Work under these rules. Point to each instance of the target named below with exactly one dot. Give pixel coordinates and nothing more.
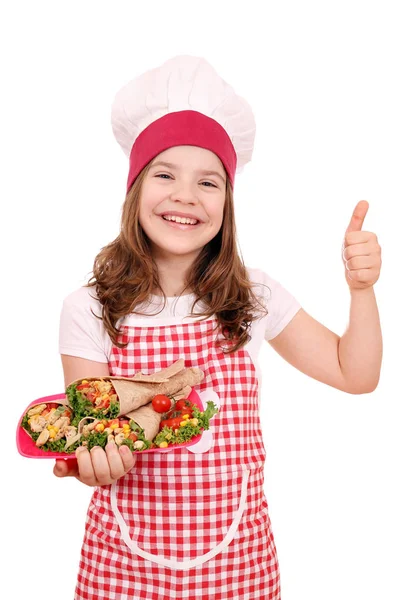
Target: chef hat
(182, 102)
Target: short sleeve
(282, 306)
(81, 334)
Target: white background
(322, 78)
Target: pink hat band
(183, 128)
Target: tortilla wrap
(38, 424)
(182, 394)
(134, 394)
(163, 375)
(148, 419)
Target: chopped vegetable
(96, 399)
(185, 429)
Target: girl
(194, 522)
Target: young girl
(194, 522)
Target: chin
(179, 250)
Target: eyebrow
(172, 166)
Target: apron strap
(187, 564)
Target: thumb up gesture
(361, 253)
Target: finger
(363, 249)
(360, 262)
(358, 216)
(128, 458)
(115, 461)
(101, 467)
(362, 276)
(356, 238)
(85, 466)
(66, 468)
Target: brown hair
(125, 275)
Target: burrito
(148, 419)
(49, 425)
(111, 396)
(54, 428)
(144, 428)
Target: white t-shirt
(83, 335)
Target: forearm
(360, 347)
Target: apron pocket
(180, 531)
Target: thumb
(66, 468)
(358, 216)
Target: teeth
(183, 220)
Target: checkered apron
(185, 524)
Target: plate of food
(159, 412)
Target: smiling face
(183, 182)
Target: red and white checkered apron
(183, 524)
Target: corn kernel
(194, 422)
(183, 423)
(185, 416)
(164, 445)
(114, 426)
(126, 426)
(53, 434)
(99, 427)
(126, 434)
(85, 381)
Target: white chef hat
(182, 102)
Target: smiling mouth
(183, 226)
(181, 220)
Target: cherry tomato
(132, 436)
(176, 421)
(179, 413)
(181, 404)
(186, 411)
(172, 423)
(161, 403)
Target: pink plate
(27, 447)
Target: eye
(210, 184)
(204, 183)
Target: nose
(185, 193)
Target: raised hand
(361, 253)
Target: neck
(173, 276)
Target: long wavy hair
(125, 275)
